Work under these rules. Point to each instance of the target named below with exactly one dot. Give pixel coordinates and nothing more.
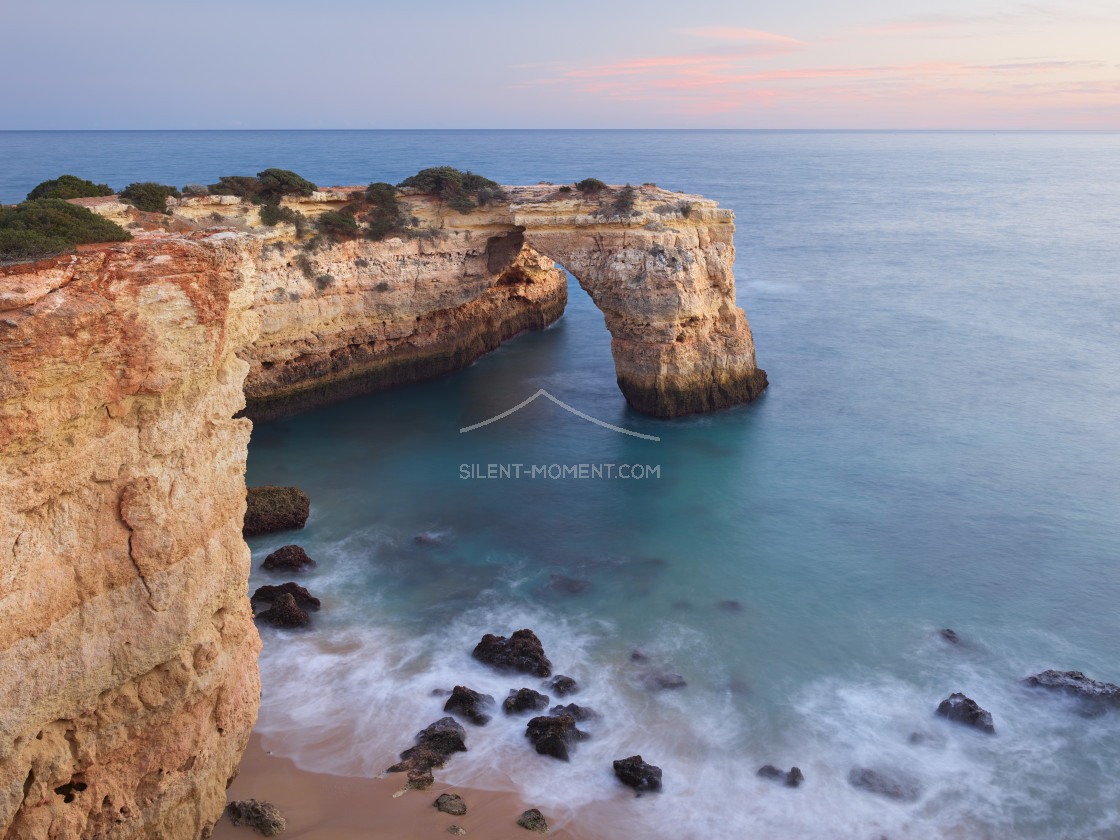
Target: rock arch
(662, 277)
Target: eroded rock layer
(127, 646)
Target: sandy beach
(327, 807)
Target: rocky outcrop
(522, 652)
(361, 315)
(636, 773)
(960, 709)
(126, 639)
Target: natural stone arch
(662, 277)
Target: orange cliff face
(127, 646)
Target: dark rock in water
(290, 558)
(469, 704)
(524, 700)
(269, 509)
(562, 686)
(268, 594)
(434, 745)
(284, 612)
(639, 655)
(950, 636)
(891, 785)
(263, 817)
(563, 585)
(580, 713)
(521, 652)
(533, 820)
(553, 735)
(791, 779)
(730, 606)
(1097, 697)
(662, 680)
(956, 707)
(451, 803)
(637, 774)
(441, 692)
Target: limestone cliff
(361, 315)
(127, 646)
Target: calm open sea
(939, 315)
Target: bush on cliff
(277, 183)
(243, 186)
(338, 225)
(623, 203)
(273, 214)
(383, 211)
(52, 226)
(591, 186)
(452, 186)
(69, 186)
(149, 196)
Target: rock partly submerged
(288, 558)
(960, 709)
(1094, 697)
(270, 509)
(893, 784)
(554, 735)
(472, 705)
(791, 779)
(434, 746)
(284, 613)
(522, 652)
(524, 700)
(636, 773)
(267, 594)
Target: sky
(815, 64)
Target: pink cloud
(732, 33)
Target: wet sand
(318, 806)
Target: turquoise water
(938, 314)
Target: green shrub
(324, 281)
(623, 203)
(242, 186)
(453, 186)
(196, 189)
(69, 186)
(383, 212)
(565, 189)
(382, 286)
(277, 183)
(591, 186)
(273, 214)
(149, 196)
(52, 226)
(338, 225)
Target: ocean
(939, 447)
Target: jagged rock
(634, 772)
(521, 652)
(469, 704)
(451, 803)
(552, 735)
(950, 636)
(285, 613)
(791, 779)
(271, 509)
(434, 745)
(956, 707)
(662, 680)
(263, 817)
(1097, 697)
(564, 585)
(267, 594)
(893, 785)
(562, 686)
(524, 700)
(533, 820)
(289, 558)
(580, 713)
